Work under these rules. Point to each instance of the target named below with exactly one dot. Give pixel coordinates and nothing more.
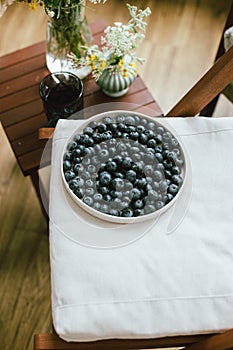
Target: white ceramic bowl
(120, 219)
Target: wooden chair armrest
(44, 135)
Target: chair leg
(222, 341)
(40, 194)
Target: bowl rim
(120, 219)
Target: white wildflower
(51, 13)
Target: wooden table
(21, 110)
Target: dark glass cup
(62, 96)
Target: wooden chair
(228, 90)
(209, 86)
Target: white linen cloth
(170, 277)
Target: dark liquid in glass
(61, 102)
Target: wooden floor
(182, 40)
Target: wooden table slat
(21, 113)
(22, 55)
(26, 127)
(25, 81)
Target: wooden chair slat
(53, 342)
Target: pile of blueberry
(125, 165)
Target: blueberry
(177, 180)
(102, 128)
(131, 128)
(138, 204)
(143, 139)
(114, 212)
(89, 191)
(89, 183)
(126, 163)
(136, 157)
(151, 143)
(168, 197)
(97, 138)
(91, 168)
(76, 168)
(112, 127)
(88, 200)
(73, 184)
(120, 118)
(104, 208)
(173, 189)
(105, 178)
(77, 160)
(163, 186)
(148, 170)
(160, 130)
(149, 157)
(103, 190)
(69, 175)
(107, 197)
(167, 136)
(138, 212)
(111, 166)
(90, 142)
(117, 159)
(179, 162)
(125, 135)
(153, 195)
(93, 124)
(134, 135)
(66, 165)
(117, 183)
(167, 174)
(96, 206)
(107, 120)
(158, 138)
(103, 154)
(159, 204)
(168, 163)
(119, 175)
(175, 170)
(122, 127)
(128, 186)
(158, 149)
(84, 139)
(107, 135)
(127, 212)
(151, 126)
(130, 120)
(67, 156)
(159, 157)
(158, 175)
(88, 130)
(160, 167)
(141, 128)
(149, 209)
(131, 175)
(141, 183)
(97, 197)
(79, 192)
(72, 145)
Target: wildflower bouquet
(119, 44)
(69, 28)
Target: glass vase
(66, 33)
